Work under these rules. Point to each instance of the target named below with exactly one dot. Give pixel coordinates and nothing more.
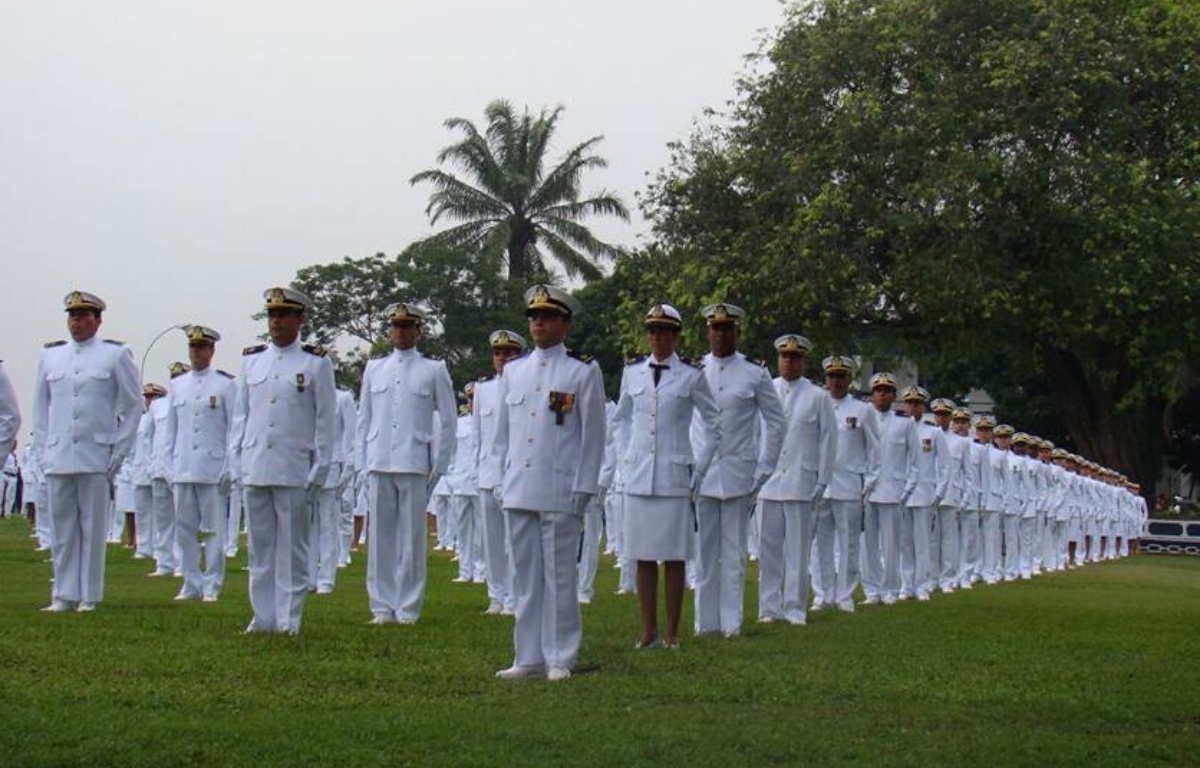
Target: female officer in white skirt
(659, 395)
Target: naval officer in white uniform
(551, 432)
(660, 466)
(281, 445)
(404, 460)
(85, 415)
(751, 436)
(199, 415)
(789, 499)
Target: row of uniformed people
(690, 447)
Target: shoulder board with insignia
(760, 363)
(635, 360)
(580, 356)
(58, 343)
(226, 374)
(255, 349)
(901, 414)
(314, 349)
(114, 341)
(697, 364)
(483, 379)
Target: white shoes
(187, 596)
(889, 600)
(59, 606)
(518, 672)
(382, 618)
(493, 609)
(846, 606)
(460, 580)
(85, 607)
(798, 620)
(324, 589)
(767, 619)
(872, 600)
(557, 674)
(209, 598)
(924, 598)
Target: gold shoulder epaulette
(255, 349)
(580, 356)
(58, 343)
(226, 374)
(314, 349)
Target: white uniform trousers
(786, 540)
(1049, 556)
(992, 529)
(78, 512)
(754, 530)
(613, 522)
(915, 523)
(143, 519)
(721, 563)
(43, 529)
(970, 548)
(1012, 545)
(345, 523)
(944, 568)
(201, 507)
(469, 534)
(589, 550)
(839, 525)
(495, 551)
(1064, 541)
(1028, 533)
(116, 520)
(324, 538)
(233, 521)
(627, 579)
(442, 510)
(396, 546)
(881, 550)
(278, 521)
(164, 527)
(548, 626)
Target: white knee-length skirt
(658, 527)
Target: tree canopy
(1000, 186)
(509, 204)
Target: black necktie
(658, 369)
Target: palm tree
(509, 203)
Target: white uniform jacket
(488, 459)
(655, 457)
(283, 423)
(933, 453)
(551, 429)
(810, 442)
(899, 452)
(857, 462)
(82, 391)
(746, 401)
(400, 393)
(955, 473)
(199, 413)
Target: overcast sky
(177, 158)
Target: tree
(508, 204)
(966, 182)
(465, 295)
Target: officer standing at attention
(281, 445)
(199, 414)
(917, 516)
(551, 432)
(899, 449)
(661, 467)
(404, 460)
(854, 471)
(742, 463)
(505, 346)
(85, 408)
(790, 498)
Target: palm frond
(578, 236)
(454, 196)
(603, 203)
(574, 263)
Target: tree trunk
(518, 244)
(1130, 442)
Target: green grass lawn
(1091, 668)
